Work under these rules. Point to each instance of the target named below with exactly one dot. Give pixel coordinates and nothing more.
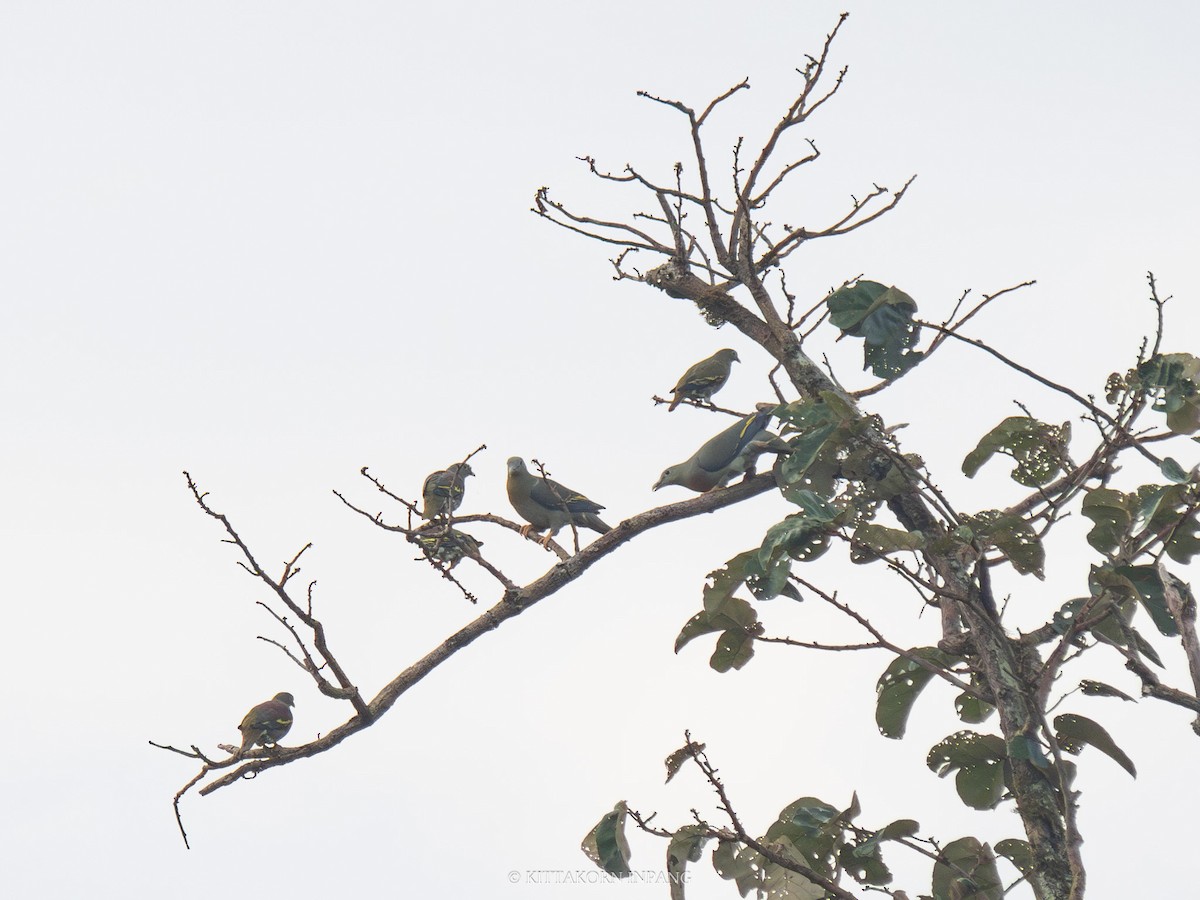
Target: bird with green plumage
(546, 504)
(267, 723)
(725, 456)
(704, 379)
(448, 545)
(443, 490)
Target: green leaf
(1038, 448)
(883, 318)
(1013, 536)
(768, 582)
(739, 867)
(1017, 852)
(1145, 648)
(734, 649)
(892, 359)
(839, 405)
(1184, 542)
(816, 508)
(978, 759)
(815, 829)
(864, 860)
(809, 814)
(981, 787)
(754, 874)
(805, 450)
(966, 870)
(605, 845)
(871, 542)
(733, 613)
(1100, 689)
(1113, 514)
(780, 883)
(899, 686)
(801, 536)
(675, 761)
(1167, 509)
(851, 307)
(687, 845)
(1171, 380)
(1114, 596)
(726, 580)
(1161, 505)
(1148, 588)
(971, 709)
(1076, 732)
(1173, 471)
(864, 863)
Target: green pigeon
(267, 722)
(544, 503)
(724, 457)
(448, 545)
(443, 490)
(704, 379)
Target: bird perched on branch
(267, 722)
(704, 379)
(544, 503)
(448, 545)
(443, 490)
(727, 455)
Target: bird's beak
(657, 484)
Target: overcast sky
(271, 243)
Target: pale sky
(271, 243)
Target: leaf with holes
(687, 845)
(864, 863)
(1173, 382)
(1013, 536)
(800, 536)
(1076, 732)
(733, 614)
(815, 828)
(768, 582)
(864, 860)
(883, 317)
(1184, 542)
(871, 542)
(978, 760)
(675, 761)
(1148, 588)
(1100, 689)
(1112, 512)
(726, 580)
(899, 686)
(966, 870)
(735, 648)
(1038, 448)
(605, 845)
(971, 709)
(1017, 852)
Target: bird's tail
(594, 522)
(769, 442)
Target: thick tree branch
(513, 603)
